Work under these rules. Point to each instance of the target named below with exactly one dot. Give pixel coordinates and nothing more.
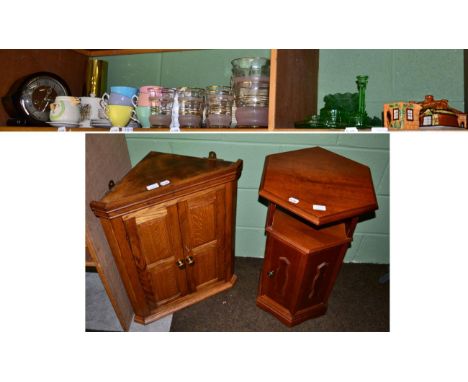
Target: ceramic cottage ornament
(429, 113)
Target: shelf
(304, 236)
(121, 52)
(159, 130)
(293, 78)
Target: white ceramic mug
(90, 109)
(65, 109)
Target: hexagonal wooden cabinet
(315, 198)
(170, 224)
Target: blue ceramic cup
(127, 91)
(143, 113)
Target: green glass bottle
(361, 116)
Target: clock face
(38, 93)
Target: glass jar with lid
(251, 81)
(161, 103)
(191, 105)
(219, 101)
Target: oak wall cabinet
(170, 223)
(315, 199)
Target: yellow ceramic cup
(119, 115)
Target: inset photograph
(237, 232)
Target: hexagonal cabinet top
(318, 185)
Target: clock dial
(38, 93)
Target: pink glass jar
(252, 104)
(161, 103)
(191, 105)
(251, 81)
(219, 101)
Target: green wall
(197, 68)
(371, 240)
(394, 75)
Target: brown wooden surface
(305, 248)
(106, 158)
(89, 259)
(184, 173)
(186, 300)
(300, 268)
(305, 237)
(318, 176)
(272, 89)
(156, 246)
(120, 52)
(18, 63)
(296, 85)
(175, 250)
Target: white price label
(127, 129)
(379, 130)
(293, 200)
(319, 207)
(164, 182)
(62, 129)
(351, 130)
(114, 129)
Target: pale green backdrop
(371, 240)
(394, 75)
(197, 68)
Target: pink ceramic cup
(144, 94)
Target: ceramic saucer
(63, 124)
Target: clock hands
(47, 99)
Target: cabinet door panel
(156, 246)
(154, 237)
(201, 214)
(166, 281)
(204, 270)
(202, 220)
(319, 273)
(280, 272)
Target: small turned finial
(212, 155)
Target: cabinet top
(318, 185)
(160, 175)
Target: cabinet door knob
(189, 260)
(180, 263)
(271, 274)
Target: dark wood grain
(305, 248)
(318, 176)
(184, 173)
(18, 63)
(296, 85)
